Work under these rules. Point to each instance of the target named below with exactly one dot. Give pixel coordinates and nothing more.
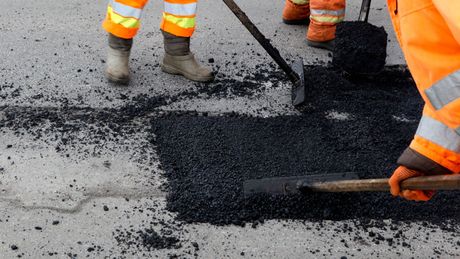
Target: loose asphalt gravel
(88, 169)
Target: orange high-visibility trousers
(123, 17)
(324, 16)
(429, 34)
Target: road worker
(178, 24)
(323, 16)
(429, 34)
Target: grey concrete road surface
(73, 203)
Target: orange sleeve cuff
(446, 158)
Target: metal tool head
(298, 90)
(290, 185)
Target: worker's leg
(122, 23)
(178, 25)
(296, 12)
(324, 16)
(123, 17)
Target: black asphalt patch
(351, 125)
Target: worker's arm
(413, 164)
(450, 11)
(443, 94)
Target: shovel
(344, 182)
(294, 73)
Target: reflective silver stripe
(180, 9)
(328, 12)
(126, 11)
(438, 133)
(444, 91)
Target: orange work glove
(402, 173)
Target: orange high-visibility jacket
(429, 34)
(123, 17)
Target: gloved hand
(413, 164)
(402, 173)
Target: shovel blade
(290, 185)
(298, 90)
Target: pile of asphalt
(359, 124)
(360, 48)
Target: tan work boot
(178, 60)
(118, 60)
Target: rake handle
(438, 182)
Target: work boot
(178, 59)
(328, 45)
(321, 35)
(118, 59)
(296, 12)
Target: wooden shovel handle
(438, 182)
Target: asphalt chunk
(206, 159)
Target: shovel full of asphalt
(360, 48)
